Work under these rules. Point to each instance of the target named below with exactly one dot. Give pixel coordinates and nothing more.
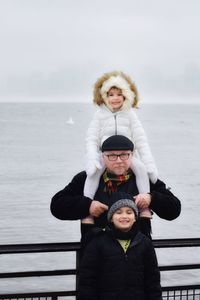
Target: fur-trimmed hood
(115, 79)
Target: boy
(120, 262)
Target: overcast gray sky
(58, 48)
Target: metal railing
(184, 292)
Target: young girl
(117, 96)
(120, 262)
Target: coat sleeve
(93, 141)
(141, 143)
(152, 287)
(163, 202)
(88, 275)
(69, 203)
(93, 136)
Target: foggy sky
(57, 49)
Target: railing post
(77, 269)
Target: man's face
(116, 164)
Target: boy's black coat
(108, 273)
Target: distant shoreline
(88, 103)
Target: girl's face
(124, 218)
(115, 98)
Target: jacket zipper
(115, 119)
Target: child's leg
(92, 183)
(142, 178)
(142, 181)
(90, 188)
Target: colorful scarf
(112, 181)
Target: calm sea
(40, 152)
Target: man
(117, 151)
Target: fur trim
(120, 80)
(122, 84)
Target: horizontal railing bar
(38, 273)
(32, 248)
(180, 287)
(75, 246)
(179, 267)
(73, 293)
(74, 271)
(171, 243)
(38, 294)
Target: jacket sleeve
(69, 203)
(93, 157)
(141, 143)
(163, 202)
(152, 287)
(88, 276)
(93, 136)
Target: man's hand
(97, 208)
(142, 200)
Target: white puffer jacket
(124, 122)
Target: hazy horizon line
(87, 99)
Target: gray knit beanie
(118, 200)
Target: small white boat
(70, 121)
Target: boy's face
(115, 98)
(124, 218)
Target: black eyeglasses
(114, 157)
